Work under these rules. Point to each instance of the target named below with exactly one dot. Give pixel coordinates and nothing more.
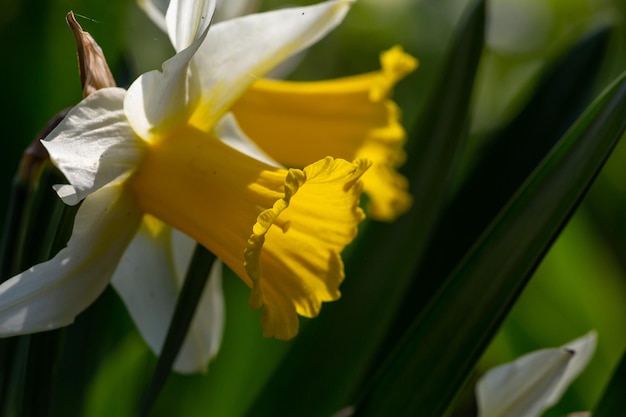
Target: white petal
(53, 293)
(182, 249)
(187, 19)
(229, 9)
(155, 9)
(584, 348)
(157, 101)
(148, 283)
(208, 323)
(94, 145)
(237, 52)
(228, 131)
(524, 387)
(519, 389)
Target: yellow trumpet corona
(282, 231)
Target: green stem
(13, 226)
(22, 247)
(188, 300)
(9, 252)
(46, 347)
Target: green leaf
(336, 348)
(513, 153)
(42, 226)
(116, 388)
(612, 402)
(44, 350)
(442, 345)
(91, 361)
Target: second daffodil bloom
(297, 123)
(164, 152)
(351, 117)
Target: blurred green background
(581, 284)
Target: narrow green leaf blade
(442, 346)
(45, 348)
(336, 348)
(513, 153)
(612, 402)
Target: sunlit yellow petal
(280, 230)
(297, 123)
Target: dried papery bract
(94, 75)
(94, 70)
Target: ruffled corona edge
(387, 188)
(293, 255)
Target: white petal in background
(148, 282)
(237, 52)
(229, 9)
(534, 382)
(93, 145)
(155, 9)
(51, 294)
(187, 19)
(224, 10)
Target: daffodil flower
(350, 117)
(534, 382)
(164, 152)
(297, 123)
(381, 121)
(158, 246)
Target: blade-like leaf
(510, 156)
(334, 351)
(443, 344)
(31, 237)
(612, 402)
(45, 348)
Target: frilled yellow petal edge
(298, 123)
(282, 231)
(293, 255)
